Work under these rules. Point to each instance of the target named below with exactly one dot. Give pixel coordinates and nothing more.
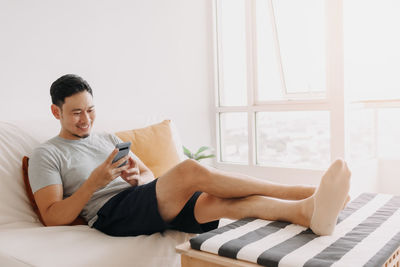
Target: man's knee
(193, 170)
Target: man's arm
(58, 211)
(55, 210)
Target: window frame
(332, 102)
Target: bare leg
(189, 176)
(239, 185)
(209, 208)
(237, 197)
(319, 211)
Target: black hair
(67, 85)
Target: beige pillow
(154, 145)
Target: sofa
(25, 241)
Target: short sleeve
(43, 169)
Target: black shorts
(134, 212)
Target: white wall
(140, 57)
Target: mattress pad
(367, 234)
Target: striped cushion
(366, 234)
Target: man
(72, 174)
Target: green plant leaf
(201, 149)
(187, 152)
(204, 157)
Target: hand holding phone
(123, 150)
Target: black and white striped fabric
(366, 234)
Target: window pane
(297, 139)
(269, 80)
(371, 49)
(234, 137)
(361, 129)
(301, 34)
(389, 133)
(232, 42)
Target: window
(302, 82)
(372, 84)
(292, 138)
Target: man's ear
(56, 111)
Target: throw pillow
(154, 145)
(25, 163)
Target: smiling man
(73, 174)
(76, 115)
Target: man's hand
(131, 175)
(108, 171)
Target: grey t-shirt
(70, 163)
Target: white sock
(330, 197)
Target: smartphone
(123, 150)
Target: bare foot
(330, 198)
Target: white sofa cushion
(14, 203)
(83, 246)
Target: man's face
(76, 116)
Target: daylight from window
(273, 98)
